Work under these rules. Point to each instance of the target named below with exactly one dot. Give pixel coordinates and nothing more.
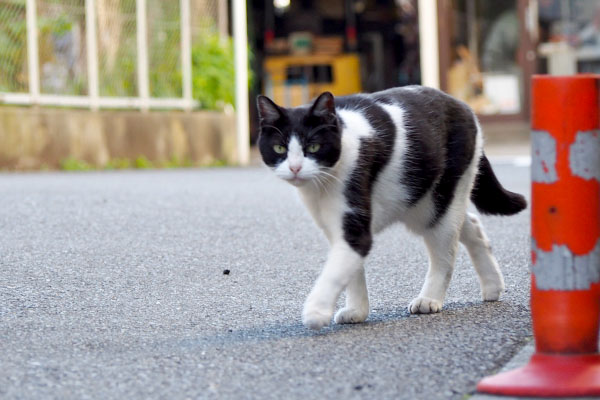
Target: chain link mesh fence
(62, 50)
(205, 18)
(117, 48)
(164, 48)
(13, 46)
(61, 47)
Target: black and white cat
(362, 162)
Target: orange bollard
(565, 229)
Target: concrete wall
(33, 137)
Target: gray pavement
(112, 287)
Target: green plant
(216, 164)
(118, 163)
(213, 72)
(175, 162)
(142, 163)
(73, 164)
(58, 25)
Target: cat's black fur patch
(423, 159)
(441, 137)
(374, 154)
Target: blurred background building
(173, 60)
(489, 50)
(485, 51)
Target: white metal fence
(103, 53)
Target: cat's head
(299, 144)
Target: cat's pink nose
(295, 169)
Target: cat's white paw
(350, 316)
(424, 305)
(315, 319)
(492, 292)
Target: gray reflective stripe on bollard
(584, 155)
(543, 160)
(560, 269)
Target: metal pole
(428, 33)
(92, 53)
(240, 38)
(186, 52)
(32, 52)
(142, 54)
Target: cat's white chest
(326, 209)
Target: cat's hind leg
(480, 251)
(442, 244)
(357, 301)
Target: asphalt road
(112, 286)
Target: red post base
(548, 375)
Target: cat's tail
(490, 197)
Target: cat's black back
(440, 137)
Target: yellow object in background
(294, 80)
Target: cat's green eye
(313, 148)
(279, 149)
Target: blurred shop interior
(304, 47)
(488, 50)
(491, 49)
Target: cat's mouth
(297, 180)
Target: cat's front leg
(357, 301)
(342, 266)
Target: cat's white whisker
(323, 184)
(328, 175)
(317, 182)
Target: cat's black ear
(267, 110)
(324, 106)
